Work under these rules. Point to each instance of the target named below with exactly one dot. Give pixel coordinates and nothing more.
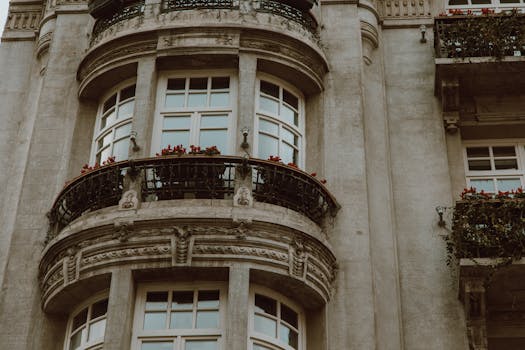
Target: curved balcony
(200, 177)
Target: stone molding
(23, 21)
(206, 41)
(173, 243)
(370, 40)
(404, 9)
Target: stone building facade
(236, 251)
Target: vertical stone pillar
(475, 313)
(145, 97)
(120, 311)
(246, 101)
(238, 305)
(350, 316)
(383, 241)
(455, 162)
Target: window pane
(104, 155)
(157, 300)
(477, 152)
(289, 98)
(289, 316)
(288, 154)
(265, 304)
(110, 102)
(201, 345)
(182, 300)
(100, 308)
(506, 151)
(220, 99)
(270, 89)
(164, 345)
(107, 119)
(269, 105)
(80, 319)
(214, 121)
(268, 127)
(217, 138)
(288, 336)
(265, 325)
(208, 299)
(220, 83)
(483, 164)
(486, 185)
(207, 319)
(260, 347)
(104, 141)
(174, 101)
(501, 164)
(76, 339)
(481, 2)
(268, 146)
(176, 122)
(127, 93)
(125, 110)
(198, 83)
(123, 130)
(155, 320)
(508, 184)
(458, 2)
(290, 137)
(197, 100)
(96, 330)
(120, 150)
(510, 1)
(175, 138)
(289, 116)
(181, 320)
(177, 84)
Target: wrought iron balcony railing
(495, 35)
(488, 228)
(286, 11)
(119, 14)
(178, 5)
(188, 177)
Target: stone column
(246, 100)
(350, 317)
(383, 241)
(120, 311)
(143, 116)
(238, 305)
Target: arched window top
(87, 325)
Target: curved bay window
(195, 110)
(179, 318)
(113, 125)
(279, 122)
(276, 322)
(86, 328)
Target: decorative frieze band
(23, 20)
(283, 251)
(404, 8)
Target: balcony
(193, 177)
(478, 55)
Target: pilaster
(246, 100)
(238, 306)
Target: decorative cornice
(147, 243)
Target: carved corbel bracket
(181, 246)
(370, 40)
(475, 312)
(123, 230)
(450, 104)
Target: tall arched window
(279, 121)
(113, 124)
(87, 325)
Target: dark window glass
(266, 305)
(110, 102)
(270, 89)
(288, 315)
(156, 300)
(458, 2)
(182, 300)
(198, 83)
(220, 83)
(481, 2)
(477, 152)
(100, 308)
(501, 164)
(505, 151)
(80, 319)
(290, 99)
(177, 84)
(208, 298)
(127, 93)
(479, 164)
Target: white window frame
(196, 113)
(95, 344)
(111, 128)
(178, 336)
(495, 5)
(299, 130)
(494, 175)
(265, 340)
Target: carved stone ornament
(182, 245)
(298, 258)
(123, 230)
(243, 197)
(129, 201)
